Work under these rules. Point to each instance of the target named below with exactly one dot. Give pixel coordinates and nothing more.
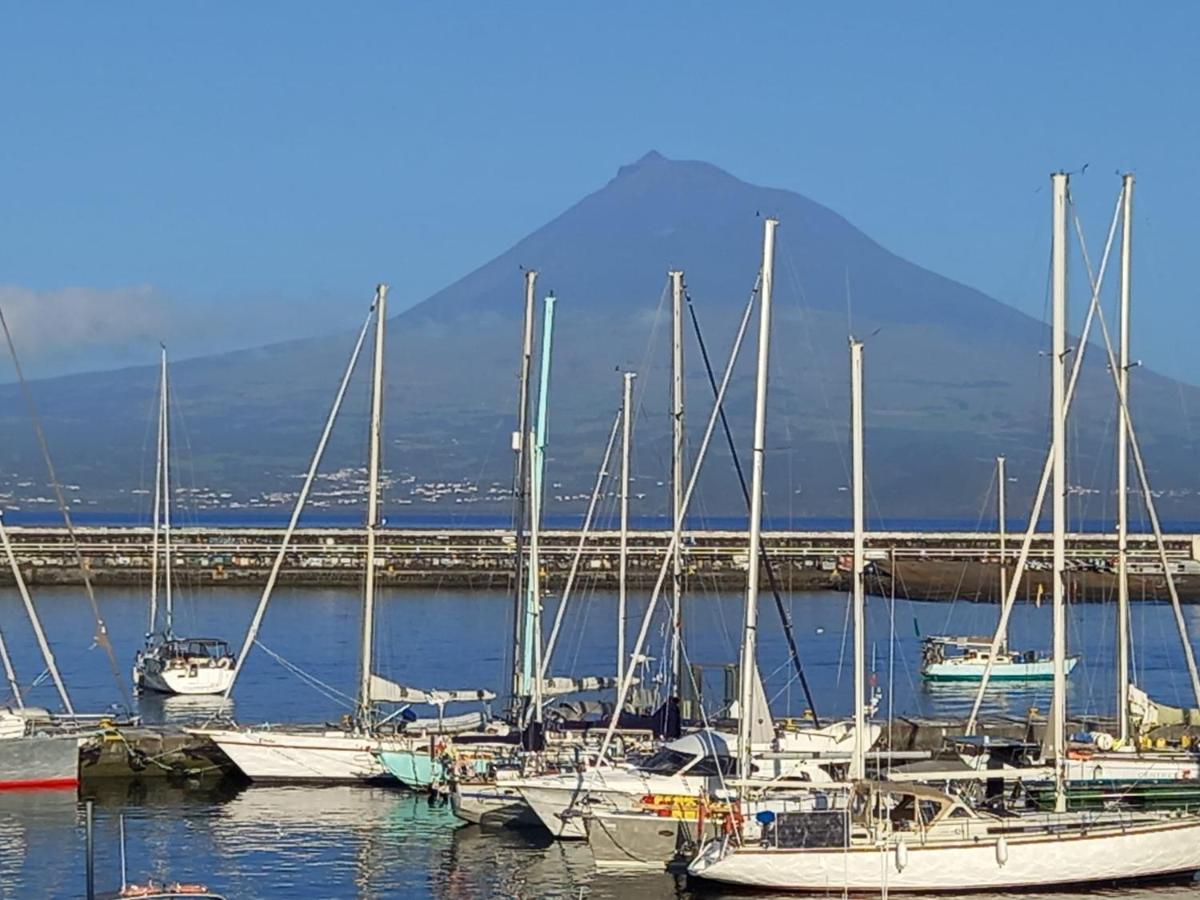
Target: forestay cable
(261, 610)
(101, 635)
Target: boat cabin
(195, 649)
(871, 807)
(702, 754)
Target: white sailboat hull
(191, 680)
(33, 762)
(492, 806)
(1103, 855)
(280, 755)
(1135, 767)
(560, 801)
(642, 841)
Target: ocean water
(369, 842)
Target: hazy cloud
(79, 329)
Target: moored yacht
(915, 838)
(696, 764)
(348, 751)
(946, 658)
(912, 837)
(170, 664)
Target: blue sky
(221, 174)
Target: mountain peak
(652, 158)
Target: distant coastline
(278, 519)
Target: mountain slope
(954, 377)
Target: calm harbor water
(357, 842)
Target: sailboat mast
(10, 674)
(34, 621)
(165, 413)
(154, 540)
(858, 760)
(520, 445)
(677, 291)
(532, 640)
(623, 561)
(1002, 537)
(749, 674)
(1058, 354)
(1123, 464)
(376, 441)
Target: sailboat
(37, 748)
(168, 663)
(910, 837)
(1123, 768)
(965, 658)
(324, 753)
(702, 762)
(349, 751)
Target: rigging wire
(327, 690)
(101, 633)
(772, 581)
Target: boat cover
(385, 691)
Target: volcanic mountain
(954, 378)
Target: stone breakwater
(916, 565)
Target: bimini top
(977, 641)
(213, 647)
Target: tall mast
(532, 646)
(749, 673)
(9, 674)
(623, 561)
(34, 621)
(376, 441)
(260, 611)
(1002, 536)
(1123, 463)
(520, 443)
(858, 760)
(165, 413)
(677, 476)
(1058, 354)
(154, 542)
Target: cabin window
(666, 762)
(709, 766)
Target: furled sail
(559, 685)
(762, 726)
(385, 691)
(475, 721)
(1150, 714)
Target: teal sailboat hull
(415, 770)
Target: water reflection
(291, 842)
(368, 842)
(182, 709)
(953, 699)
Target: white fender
(1002, 850)
(901, 855)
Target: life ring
(224, 662)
